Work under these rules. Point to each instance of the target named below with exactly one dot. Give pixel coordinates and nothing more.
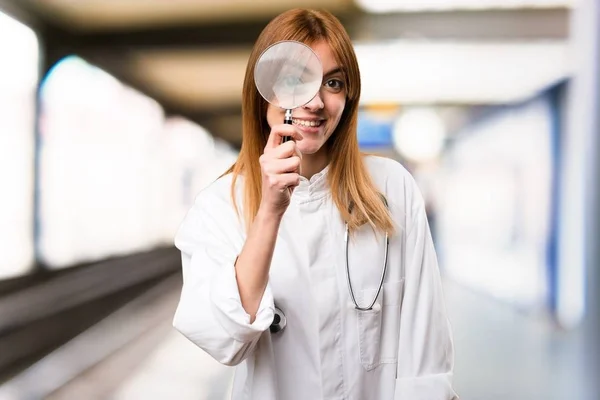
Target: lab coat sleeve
(426, 354)
(210, 312)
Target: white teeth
(306, 123)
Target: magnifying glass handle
(288, 121)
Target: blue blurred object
(374, 131)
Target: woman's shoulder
(218, 192)
(387, 170)
(211, 212)
(375, 161)
(394, 180)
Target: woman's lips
(308, 125)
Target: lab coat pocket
(369, 328)
(390, 321)
(379, 328)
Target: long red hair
(348, 177)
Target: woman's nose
(315, 104)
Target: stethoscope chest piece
(279, 321)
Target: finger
(281, 166)
(298, 152)
(291, 164)
(285, 150)
(282, 182)
(290, 180)
(278, 132)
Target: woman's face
(317, 119)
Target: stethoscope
(279, 321)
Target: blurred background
(114, 114)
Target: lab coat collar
(312, 189)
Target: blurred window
(101, 167)
(19, 53)
(494, 204)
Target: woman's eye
(335, 84)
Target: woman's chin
(308, 148)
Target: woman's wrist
(265, 215)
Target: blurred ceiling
(107, 15)
(190, 55)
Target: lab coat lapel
(290, 267)
(293, 236)
(292, 292)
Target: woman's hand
(280, 168)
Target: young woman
(299, 228)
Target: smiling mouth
(312, 124)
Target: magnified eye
(290, 81)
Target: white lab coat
(402, 349)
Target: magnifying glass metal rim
(266, 50)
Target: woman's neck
(314, 163)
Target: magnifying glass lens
(288, 75)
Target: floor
(501, 354)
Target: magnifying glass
(288, 75)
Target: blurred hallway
(114, 115)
